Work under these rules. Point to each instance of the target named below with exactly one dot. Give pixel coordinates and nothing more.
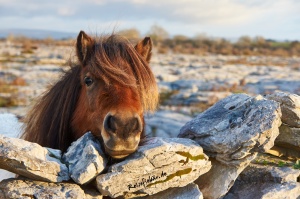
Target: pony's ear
(144, 47)
(84, 46)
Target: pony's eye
(88, 81)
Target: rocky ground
(188, 85)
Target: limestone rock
(32, 160)
(262, 173)
(267, 182)
(235, 127)
(85, 159)
(159, 164)
(288, 190)
(220, 178)
(290, 107)
(288, 137)
(190, 191)
(21, 188)
(232, 131)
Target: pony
(107, 91)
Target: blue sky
(274, 19)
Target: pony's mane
(114, 58)
(47, 123)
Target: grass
(7, 99)
(278, 163)
(9, 92)
(297, 165)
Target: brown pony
(106, 93)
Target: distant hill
(37, 34)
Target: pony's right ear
(83, 47)
(144, 47)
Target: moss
(189, 157)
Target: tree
(158, 33)
(260, 41)
(244, 41)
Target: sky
(271, 19)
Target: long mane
(49, 121)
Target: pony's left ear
(84, 47)
(144, 48)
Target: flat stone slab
(85, 159)
(159, 164)
(32, 160)
(27, 189)
(235, 128)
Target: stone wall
(213, 157)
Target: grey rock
(288, 137)
(232, 131)
(159, 164)
(220, 178)
(287, 143)
(262, 173)
(27, 189)
(85, 159)
(235, 127)
(190, 191)
(288, 190)
(32, 160)
(290, 107)
(259, 181)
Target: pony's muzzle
(124, 127)
(121, 134)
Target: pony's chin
(118, 154)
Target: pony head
(117, 87)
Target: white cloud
(268, 17)
(66, 11)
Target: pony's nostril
(137, 124)
(134, 124)
(110, 124)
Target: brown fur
(123, 82)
